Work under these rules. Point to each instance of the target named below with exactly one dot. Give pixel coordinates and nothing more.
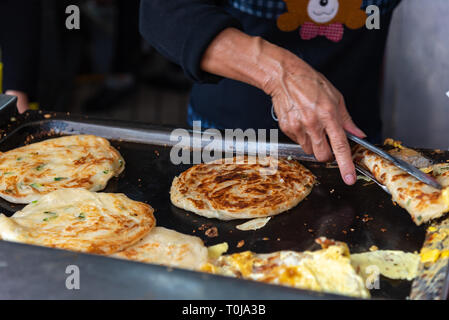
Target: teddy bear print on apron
(325, 18)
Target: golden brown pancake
(422, 201)
(80, 220)
(167, 247)
(82, 161)
(243, 189)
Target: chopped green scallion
(50, 218)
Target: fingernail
(361, 133)
(350, 179)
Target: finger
(342, 152)
(295, 131)
(320, 145)
(347, 122)
(307, 145)
(285, 126)
(304, 140)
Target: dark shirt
(183, 29)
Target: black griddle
(362, 215)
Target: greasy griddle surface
(361, 216)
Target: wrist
(238, 56)
(278, 64)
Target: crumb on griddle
(47, 116)
(156, 153)
(373, 248)
(367, 218)
(383, 230)
(241, 243)
(204, 226)
(265, 238)
(212, 232)
(332, 191)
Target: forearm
(238, 56)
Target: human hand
(312, 112)
(22, 100)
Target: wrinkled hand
(22, 100)
(312, 112)
(309, 108)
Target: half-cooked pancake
(246, 188)
(168, 247)
(327, 270)
(80, 220)
(80, 161)
(422, 201)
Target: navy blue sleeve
(182, 30)
(19, 43)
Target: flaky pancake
(80, 220)
(327, 270)
(80, 161)
(422, 201)
(168, 247)
(243, 189)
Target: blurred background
(416, 82)
(106, 70)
